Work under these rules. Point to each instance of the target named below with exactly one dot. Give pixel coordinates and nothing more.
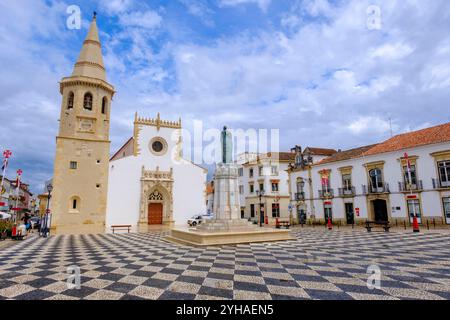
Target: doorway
(349, 213)
(328, 214)
(155, 213)
(380, 210)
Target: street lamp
(44, 227)
(260, 194)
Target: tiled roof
(437, 134)
(321, 151)
(347, 154)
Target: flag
(5, 164)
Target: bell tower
(80, 179)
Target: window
(444, 173)
(275, 186)
(275, 210)
(347, 182)
(73, 165)
(414, 208)
(241, 172)
(300, 185)
(446, 202)
(104, 105)
(74, 204)
(274, 170)
(252, 210)
(376, 179)
(260, 171)
(70, 99)
(250, 172)
(87, 102)
(252, 188)
(241, 189)
(413, 175)
(261, 187)
(157, 146)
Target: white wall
(125, 186)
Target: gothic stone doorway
(156, 203)
(155, 213)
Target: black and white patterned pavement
(320, 264)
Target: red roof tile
(437, 134)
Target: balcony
(347, 192)
(326, 193)
(404, 187)
(300, 196)
(382, 188)
(438, 184)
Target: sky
(336, 74)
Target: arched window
(70, 99)
(74, 204)
(104, 104)
(376, 178)
(87, 103)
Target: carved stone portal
(156, 187)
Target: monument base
(226, 232)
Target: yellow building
(80, 177)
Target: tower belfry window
(70, 99)
(87, 104)
(104, 105)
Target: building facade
(80, 176)
(264, 186)
(394, 180)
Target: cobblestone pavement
(320, 264)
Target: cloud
(262, 4)
(148, 19)
(313, 70)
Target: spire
(90, 60)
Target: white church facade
(149, 181)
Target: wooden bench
(372, 224)
(121, 227)
(283, 223)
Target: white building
(372, 182)
(268, 173)
(149, 181)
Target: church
(146, 182)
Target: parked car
(4, 216)
(198, 219)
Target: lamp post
(260, 194)
(45, 230)
(302, 188)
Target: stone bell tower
(80, 180)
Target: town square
(182, 155)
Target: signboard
(413, 196)
(327, 202)
(357, 211)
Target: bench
(283, 223)
(121, 227)
(372, 224)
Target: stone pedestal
(226, 227)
